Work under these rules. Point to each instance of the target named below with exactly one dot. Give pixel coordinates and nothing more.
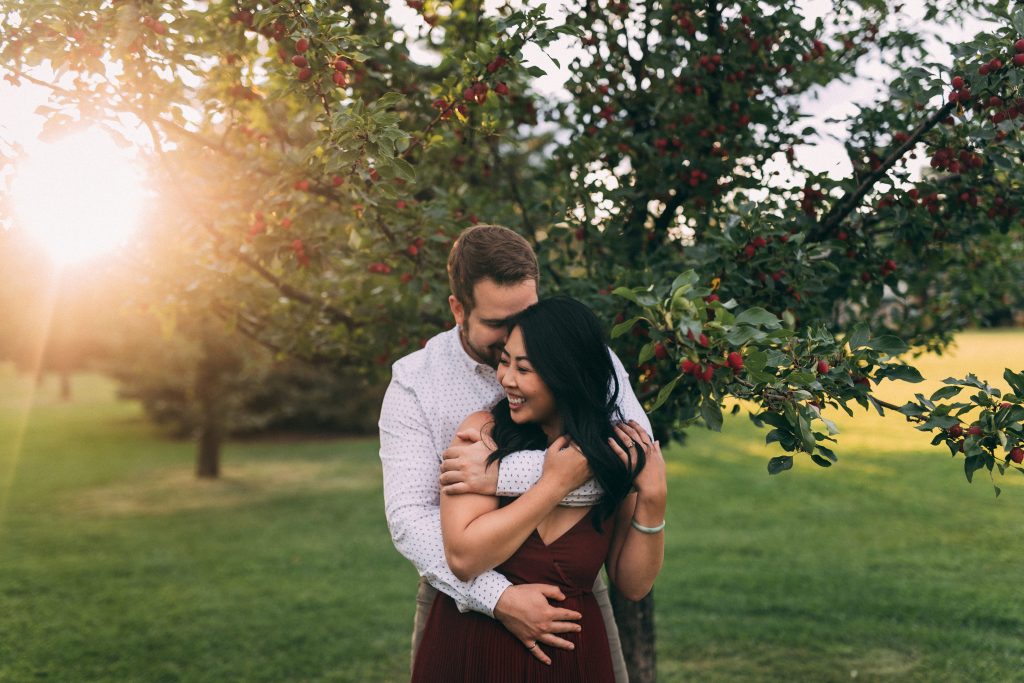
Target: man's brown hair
(489, 252)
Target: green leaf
(904, 373)
(755, 361)
(663, 395)
(646, 353)
(738, 336)
(1018, 20)
(403, 169)
(757, 316)
(780, 464)
(946, 392)
(712, 414)
(801, 378)
(625, 293)
(911, 409)
(889, 344)
(687, 277)
(1015, 380)
(860, 336)
(820, 461)
(806, 435)
(972, 464)
(625, 326)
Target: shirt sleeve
(412, 501)
(629, 404)
(519, 471)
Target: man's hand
(566, 465)
(464, 468)
(526, 613)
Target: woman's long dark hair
(566, 347)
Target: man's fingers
(563, 625)
(551, 592)
(555, 641)
(536, 650)
(469, 434)
(559, 443)
(455, 489)
(452, 466)
(565, 615)
(447, 478)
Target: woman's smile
(529, 399)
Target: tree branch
(845, 206)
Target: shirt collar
(455, 344)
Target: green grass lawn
(116, 565)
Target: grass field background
(117, 565)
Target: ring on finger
(532, 646)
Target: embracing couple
(517, 462)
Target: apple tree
(317, 159)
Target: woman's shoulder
(477, 421)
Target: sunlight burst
(79, 197)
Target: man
(493, 275)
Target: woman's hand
(565, 465)
(651, 480)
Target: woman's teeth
(515, 401)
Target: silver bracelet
(646, 529)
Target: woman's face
(529, 399)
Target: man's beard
(487, 355)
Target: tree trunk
(65, 385)
(212, 368)
(636, 629)
(208, 453)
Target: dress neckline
(566, 532)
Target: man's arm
(411, 502)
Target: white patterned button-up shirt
(431, 392)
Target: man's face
(484, 330)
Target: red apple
(1017, 454)
(823, 367)
(735, 361)
(301, 45)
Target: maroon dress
(473, 648)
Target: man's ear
(457, 309)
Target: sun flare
(79, 197)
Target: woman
(557, 372)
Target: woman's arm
(478, 535)
(635, 557)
